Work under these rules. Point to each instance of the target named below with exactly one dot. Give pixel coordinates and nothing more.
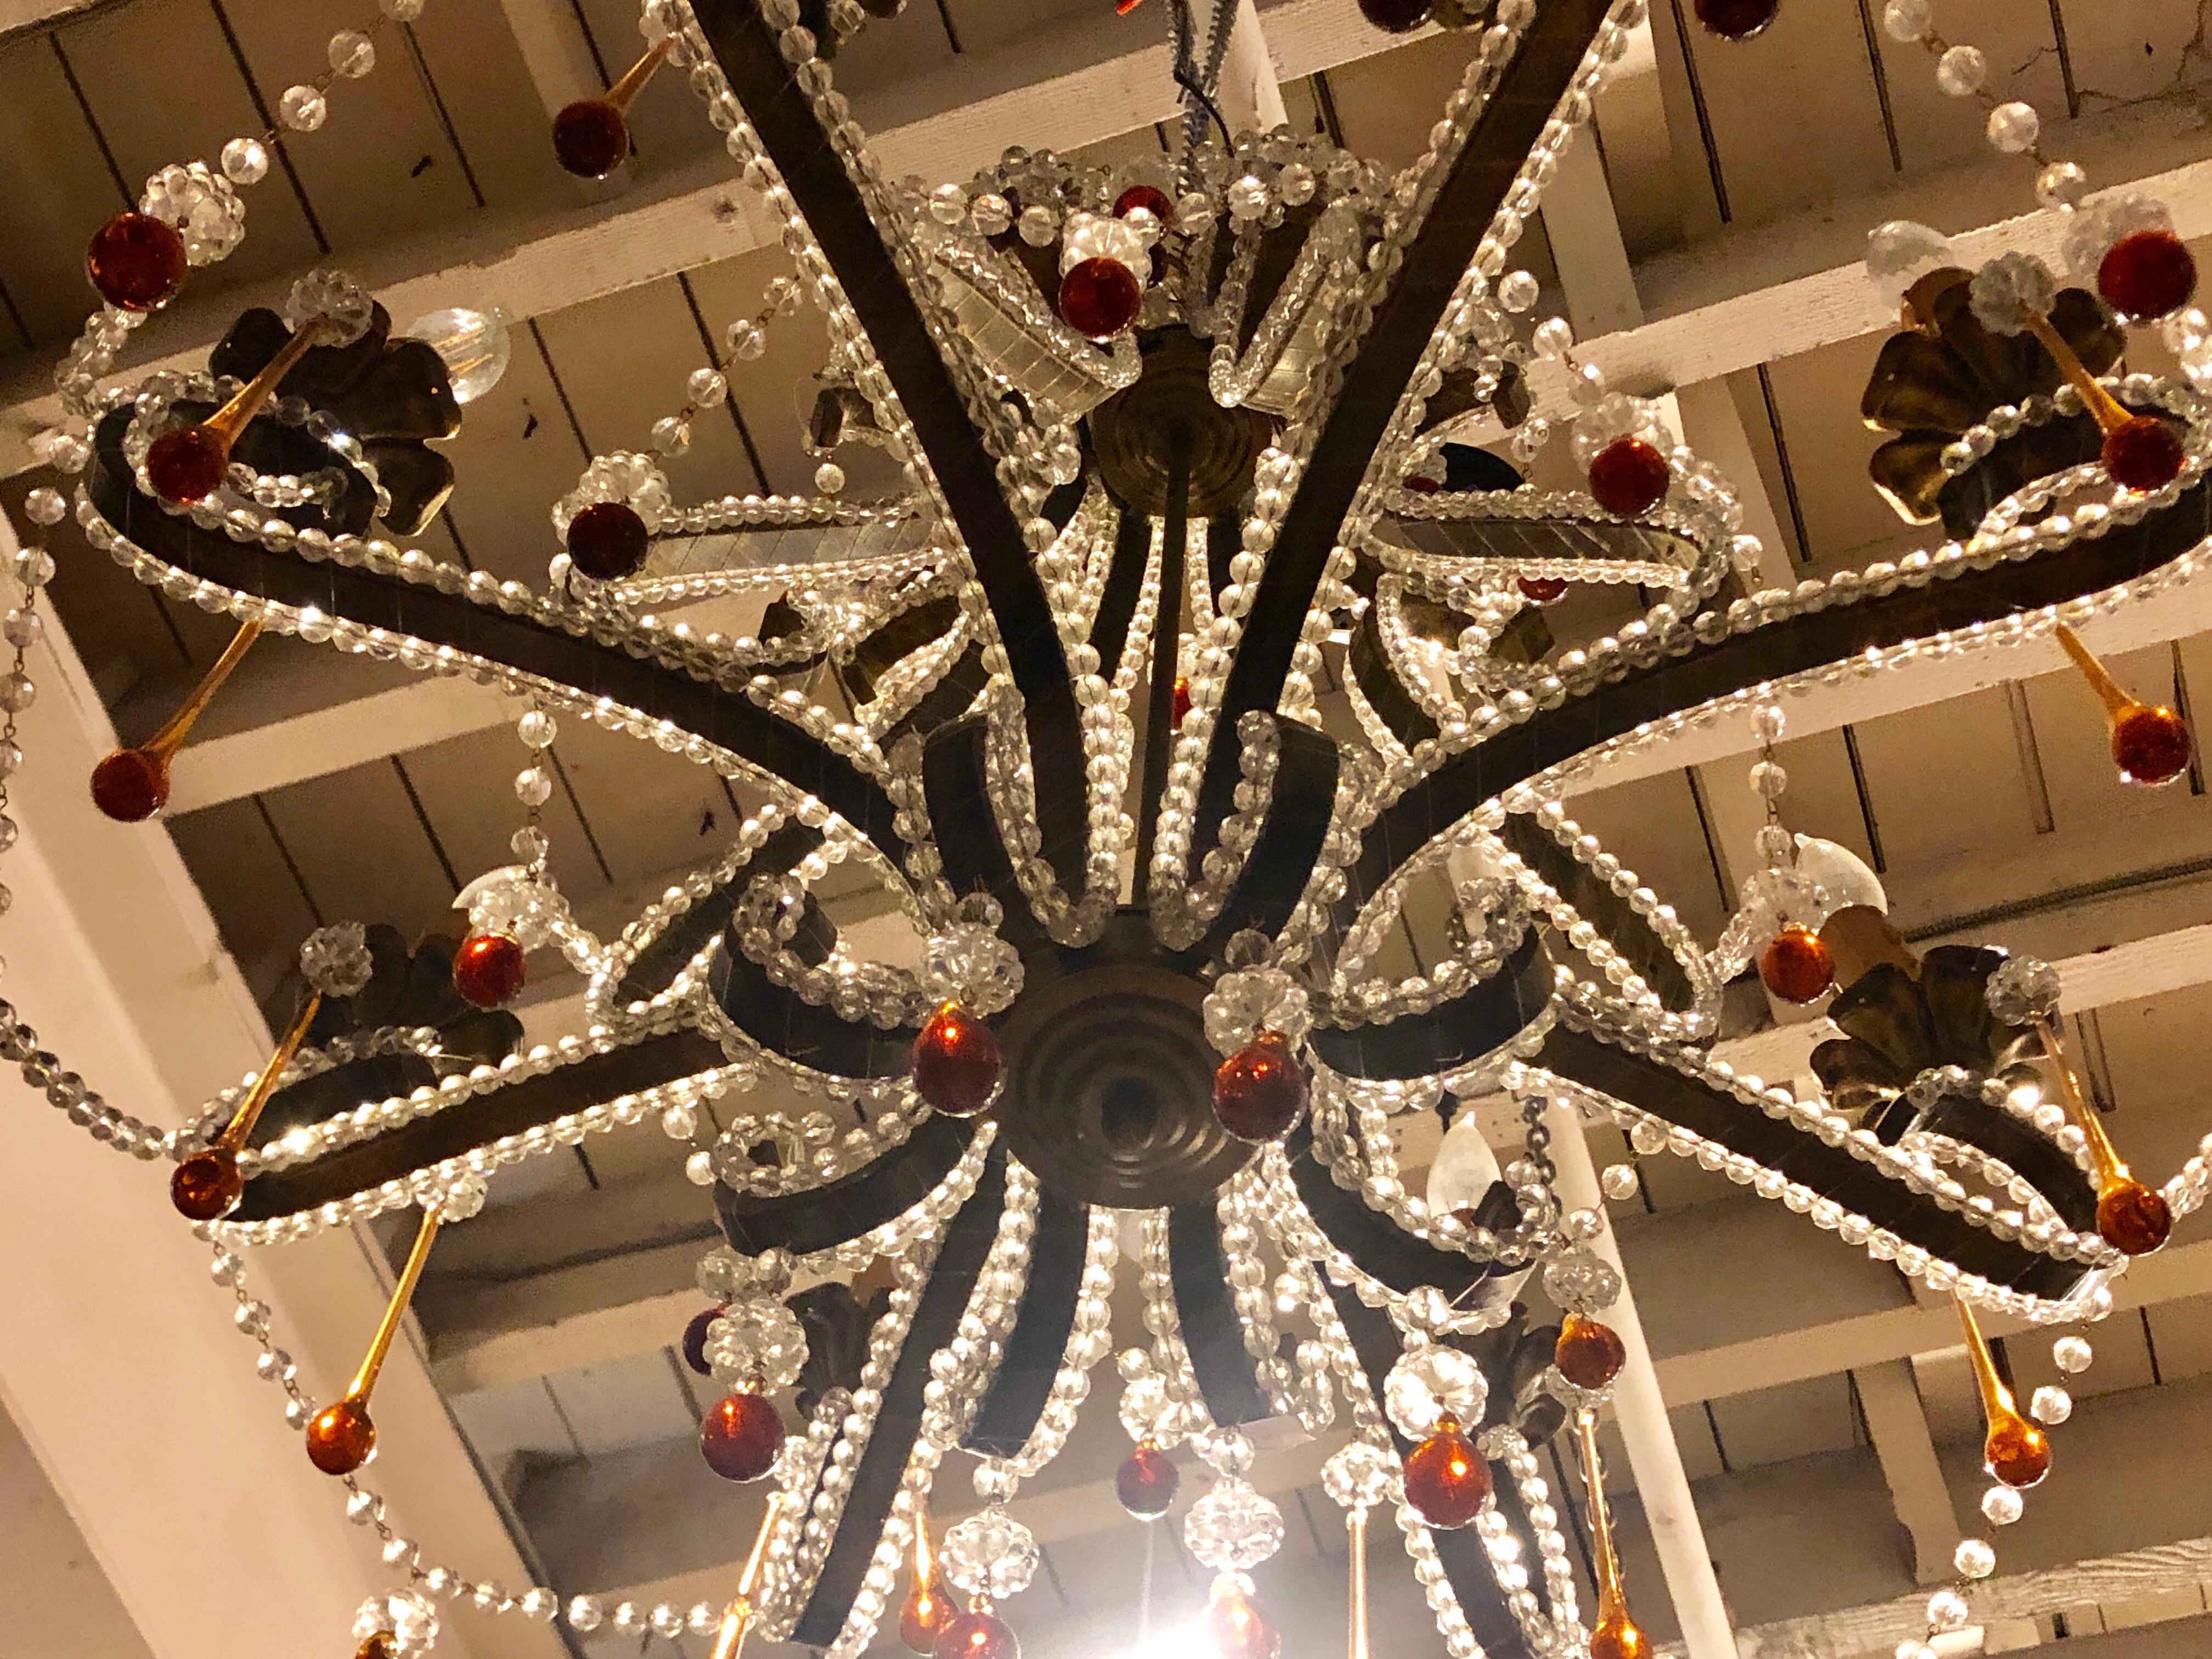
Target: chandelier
(1169, 434)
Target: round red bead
(130, 785)
(488, 970)
(2143, 453)
(977, 1635)
(2150, 745)
(188, 463)
(695, 1340)
(1629, 476)
(1446, 1478)
(340, 1437)
(1590, 1355)
(1147, 1481)
(1736, 19)
(740, 1436)
(137, 262)
(957, 1062)
(2147, 274)
(1259, 1090)
(1542, 590)
(1395, 17)
(1796, 964)
(590, 138)
(1235, 1629)
(205, 1185)
(1150, 198)
(1099, 296)
(2017, 1452)
(1421, 486)
(2133, 1218)
(607, 541)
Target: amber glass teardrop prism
(187, 464)
(957, 1062)
(206, 1184)
(2133, 1218)
(591, 137)
(132, 785)
(2150, 745)
(928, 1605)
(2014, 1450)
(737, 1617)
(2140, 451)
(342, 1435)
(1615, 1635)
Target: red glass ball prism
(1395, 17)
(1146, 1482)
(607, 541)
(2133, 1218)
(1179, 703)
(1150, 198)
(977, 1635)
(2150, 745)
(740, 1436)
(1099, 297)
(1629, 476)
(1590, 1355)
(957, 1062)
(1446, 1478)
(340, 1437)
(188, 463)
(1542, 590)
(1736, 19)
(1235, 1629)
(695, 1340)
(2142, 455)
(925, 1612)
(137, 262)
(2017, 1452)
(1259, 1090)
(488, 970)
(205, 1185)
(1796, 964)
(590, 138)
(130, 785)
(2147, 274)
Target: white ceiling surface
(59, 1601)
(1993, 816)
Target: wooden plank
(57, 189)
(361, 849)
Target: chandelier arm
(1125, 580)
(1465, 203)
(521, 644)
(653, 967)
(954, 774)
(1225, 539)
(1590, 1061)
(1675, 687)
(1212, 1332)
(1167, 642)
(966, 477)
(806, 1034)
(1377, 676)
(2064, 1185)
(1458, 1031)
(1631, 935)
(881, 1470)
(475, 1123)
(1384, 1251)
(1375, 1342)
(851, 1207)
(1044, 1320)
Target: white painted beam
(1898, 1428)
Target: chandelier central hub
(1169, 413)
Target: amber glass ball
(957, 1062)
(607, 541)
(488, 970)
(1542, 590)
(1147, 1481)
(2148, 274)
(2150, 745)
(695, 1340)
(590, 138)
(2133, 1218)
(130, 785)
(1736, 19)
(205, 1185)
(1259, 1090)
(1590, 1355)
(2017, 1452)
(375, 1645)
(925, 1612)
(1796, 964)
(976, 1635)
(1150, 198)
(1179, 703)
(1236, 1629)
(2143, 453)
(340, 1437)
(1629, 476)
(740, 1436)
(137, 262)
(1446, 1478)
(1396, 17)
(1616, 1636)
(188, 463)
(1099, 296)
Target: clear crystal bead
(757, 1341)
(2023, 989)
(1582, 1281)
(1429, 1380)
(989, 1553)
(1357, 1477)
(1233, 1528)
(336, 959)
(342, 303)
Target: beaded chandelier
(1183, 444)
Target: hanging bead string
(2012, 127)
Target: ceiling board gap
(591, 838)
(437, 845)
(1881, 85)
(560, 391)
(590, 43)
(2150, 1344)
(2065, 62)
(952, 34)
(1789, 496)
(1704, 114)
(438, 108)
(99, 139)
(291, 864)
(730, 398)
(2030, 758)
(1705, 829)
(1866, 801)
(2181, 707)
(269, 123)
